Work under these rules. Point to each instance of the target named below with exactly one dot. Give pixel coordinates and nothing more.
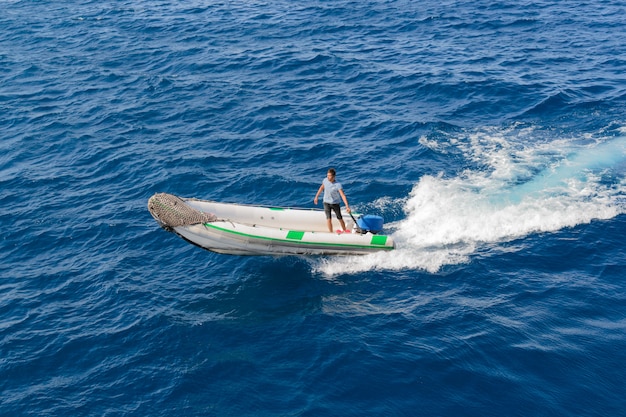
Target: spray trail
(517, 192)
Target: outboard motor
(370, 223)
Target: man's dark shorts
(334, 207)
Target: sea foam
(516, 191)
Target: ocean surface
(491, 136)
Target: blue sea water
(491, 136)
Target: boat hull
(254, 230)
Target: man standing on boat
(333, 194)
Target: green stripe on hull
(379, 240)
(372, 245)
(295, 235)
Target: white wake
(520, 187)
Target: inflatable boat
(238, 229)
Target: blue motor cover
(370, 223)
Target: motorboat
(241, 229)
